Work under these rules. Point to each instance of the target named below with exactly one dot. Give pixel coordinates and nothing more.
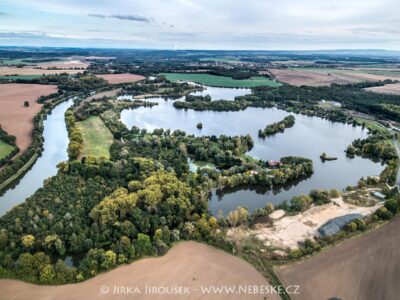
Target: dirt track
(188, 264)
(364, 268)
(14, 117)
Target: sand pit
(188, 264)
(364, 268)
(4, 71)
(288, 231)
(393, 89)
(14, 117)
(121, 78)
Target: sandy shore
(188, 264)
(289, 230)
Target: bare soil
(4, 71)
(68, 64)
(121, 78)
(363, 268)
(188, 264)
(290, 230)
(299, 78)
(325, 77)
(386, 89)
(14, 117)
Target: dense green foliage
(352, 96)
(8, 147)
(280, 126)
(219, 105)
(377, 145)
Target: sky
(202, 24)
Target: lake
(309, 137)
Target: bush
(392, 205)
(384, 214)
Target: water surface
(55, 150)
(309, 137)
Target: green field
(17, 61)
(5, 149)
(24, 77)
(222, 81)
(97, 139)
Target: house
(274, 163)
(378, 195)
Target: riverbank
(35, 150)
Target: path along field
(393, 88)
(363, 268)
(213, 80)
(121, 78)
(14, 117)
(97, 139)
(188, 264)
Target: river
(55, 150)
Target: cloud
(2, 13)
(135, 18)
(98, 16)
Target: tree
(47, 275)
(109, 260)
(392, 205)
(28, 241)
(143, 245)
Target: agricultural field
(188, 264)
(64, 64)
(361, 268)
(30, 71)
(5, 149)
(386, 89)
(351, 75)
(213, 80)
(22, 77)
(16, 119)
(121, 78)
(97, 139)
(309, 78)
